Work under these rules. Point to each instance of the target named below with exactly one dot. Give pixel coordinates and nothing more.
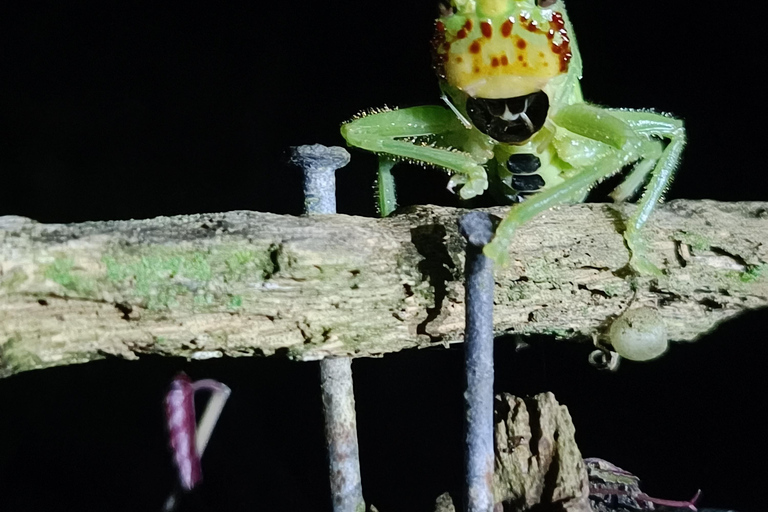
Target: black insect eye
(545, 3)
(510, 120)
(523, 163)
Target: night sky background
(134, 110)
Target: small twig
(319, 164)
(219, 395)
(478, 228)
(607, 479)
(641, 496)
(566, 279)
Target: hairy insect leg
(386, 195)
(569, 191)
(598, 124)
(405, 134)
(626, 141)
(650, 124)
(636, 177)
(635, 135)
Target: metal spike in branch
(319, 163)
(478, 228)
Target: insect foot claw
(475, 186)
(457, 180)
(643, 266)
(498, 251)
(637, 261)
(471, 183)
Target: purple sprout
(180, 415)
(188, 438)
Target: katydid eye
(510, 120)
(546, 3)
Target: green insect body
(516, 120)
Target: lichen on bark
(246, 283)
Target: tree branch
(245, 283)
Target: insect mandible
(516, 120)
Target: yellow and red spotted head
(502, 48)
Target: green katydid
(509, 71)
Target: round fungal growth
(639, 334)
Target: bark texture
(247, 283)
(538, 465)
(537, 459)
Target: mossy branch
(246, 283)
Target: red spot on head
(461, 34)
(476, 69)
(564, 49)
(530, 25)
(440, 26)
(520, 43)
(486, 29)
(504, 60)
(495, 62)
(520, 58)
(557, 21)
(468, 25)
(474, 47)
(506, 28)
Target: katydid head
(512, 56)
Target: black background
(133, 111)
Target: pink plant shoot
(189, 439)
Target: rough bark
(245, 283)
(537, 461)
